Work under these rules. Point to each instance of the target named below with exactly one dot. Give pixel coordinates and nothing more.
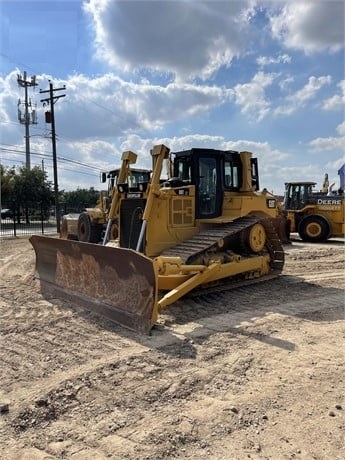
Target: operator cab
(212, 172)
(135, 177)
(297, 194)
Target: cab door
(208, 186)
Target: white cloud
(269, 60)
(310, 26)
(323, 144)
(195, 38)
(337, 101)
(251, 96)
(341, 129)
(298, 99)
(285, 82)
(122, 107)
(330, 144)
(186, 38)
(310, 89)
(108, 106)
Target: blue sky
(263, 76)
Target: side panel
(241, 204)
(172, 219)
(333, 208)
(182, 209)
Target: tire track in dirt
(80, 387)
(149, 387)
(51, 361)
(46, 336)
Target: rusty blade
(117, 283)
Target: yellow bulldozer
(100, 223)
(315, 215)
(206, 224)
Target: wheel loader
(100, 223)
(315, 216)
(207, 224)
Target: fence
(18, 221)
(10, 229)
(30, 219)
(13, 224)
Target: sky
(263, 76)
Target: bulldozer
(100, 223)
(315, 215)
(207, 224)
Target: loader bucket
(117, 283)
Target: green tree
(81, 198)
(31, 190)
(7, 183)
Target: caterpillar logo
(271, 203)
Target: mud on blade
(119, 284)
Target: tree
(7, 183)
(81, 198)
(31, 189)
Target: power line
(84, 173)
(68, 160)
(18, 64)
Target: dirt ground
(252, 373)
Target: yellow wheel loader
(207, 223)
(315, 216)
(100, 223)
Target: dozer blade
(119, 284)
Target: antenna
(29, 117)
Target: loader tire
(114, 230)
(314, 229)
(64, 231)
(87, 231)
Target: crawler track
(231, 237)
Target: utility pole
(50, 118)
(26, 119)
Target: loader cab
(135, 177)
(297, 195)
(211, 172)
